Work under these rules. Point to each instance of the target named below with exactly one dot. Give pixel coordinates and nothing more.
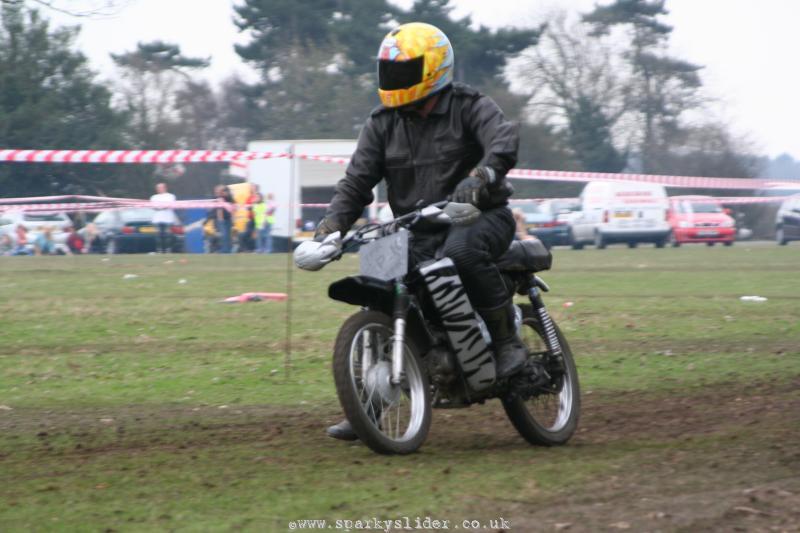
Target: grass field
(144, 404)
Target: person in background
(521, 232)
(93, 239)
(6, 245)
(44, 243)
(259, 211)
(264, 216)
(75, 242)
(247, 239)
(21, 247)
(270, 222)
(222, 218)
(163, 218)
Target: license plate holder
(385, 258)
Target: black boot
(510, 352)
(342, 431)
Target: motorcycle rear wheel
(549, 418)
(389, 419)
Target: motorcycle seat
(525, 256)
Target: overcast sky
(749, 48)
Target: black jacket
(423, 159)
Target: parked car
(35, 222)
(545, 221)
(787, 221)
(700, 219)
(621, 212)
(132, 231)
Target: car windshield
(44, 217)
(562, 207)
(530, 209)
(137, 215)
(698, 207)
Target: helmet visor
(394, 75)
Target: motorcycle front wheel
(547, 418)
(389, 418)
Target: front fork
(401, 305)
(553, 344)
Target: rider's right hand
(324, 228)
(313, 255)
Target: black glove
(474, 189)
(324, 228)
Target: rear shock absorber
(553, 344)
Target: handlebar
(405, 221)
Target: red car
(700, 219)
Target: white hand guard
(312, 255)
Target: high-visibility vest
(260, 214)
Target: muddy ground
(725, 459)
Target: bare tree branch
(91, 9)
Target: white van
(622, 211)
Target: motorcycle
(417, 343)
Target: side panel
(459, 320)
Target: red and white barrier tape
(737, 200)
(133, 156)
(129, 203)
(28, 199)
(116, 204)
(689, 182)
(204, 156)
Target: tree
(309, 86)
(317, 59)
(572, 81)
(49, 99)
(664, 87)
(711, 150)
(203, 120)
(87, 8)
(481, 54)
(152, 75)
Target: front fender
(365, 292)
(378, 294)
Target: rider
(430, 140)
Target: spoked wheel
(547, 418)
(389, 418)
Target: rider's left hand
(474, 189)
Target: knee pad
(464, 256)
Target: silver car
(787, 221)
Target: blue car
(549, 221)
(132, 231)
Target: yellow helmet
(414, 61)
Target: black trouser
(473, 249)
(164, 238)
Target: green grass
(140, 404)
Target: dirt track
(723, 459)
